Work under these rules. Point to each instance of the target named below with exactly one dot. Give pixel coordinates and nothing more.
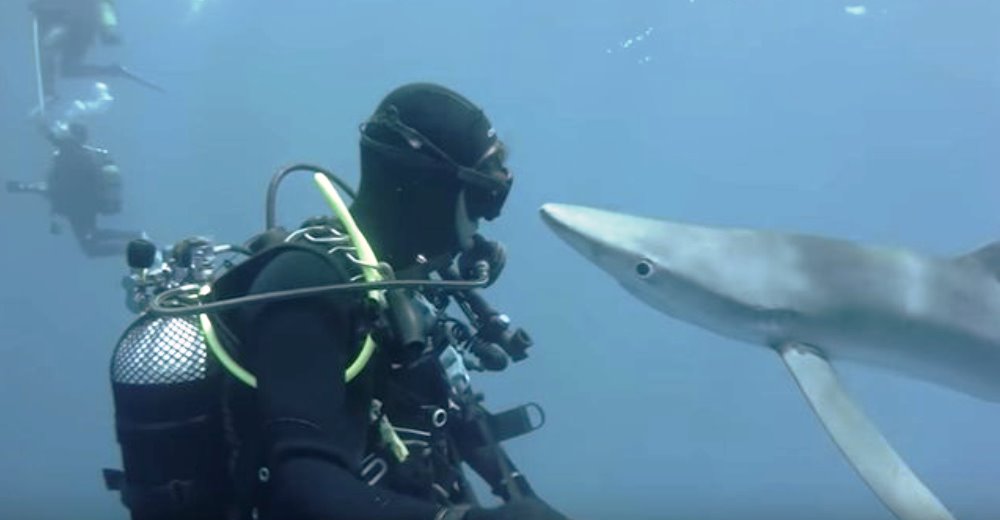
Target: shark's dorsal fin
(986, 257)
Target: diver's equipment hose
(370, 270)
(212, 339)
(492, 325)
(370, 266)
(367, 259)
(159, 307)
(270, 218)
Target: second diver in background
(65, 32)
(83, 183)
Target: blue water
(802, 116)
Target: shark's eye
(644, 268)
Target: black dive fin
(40, 188)
(126, 73)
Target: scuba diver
(316, 379)
(83, 183)
(64, 31)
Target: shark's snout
(549, 213)
(555, 215)
(571, 224)
(608, 239)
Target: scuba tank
(172, 384)
(109, 190)
(167, 398)
(168, 422)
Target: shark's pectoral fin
(859, 440)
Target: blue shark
(813, 300)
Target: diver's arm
(315, 428)
(484, 459)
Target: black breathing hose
(270, 217)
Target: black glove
(526, 509)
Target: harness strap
(514, 422)
(174, 496)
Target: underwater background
(873, 121)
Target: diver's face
(465, 226)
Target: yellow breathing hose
(369, 267)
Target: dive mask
(487, 181)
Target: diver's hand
(490, 251)
(525, 509)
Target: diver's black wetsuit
(301, 443)
(314, 425)
(315, 429)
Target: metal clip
(455, 370)
(373, 463)
(439, 418)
